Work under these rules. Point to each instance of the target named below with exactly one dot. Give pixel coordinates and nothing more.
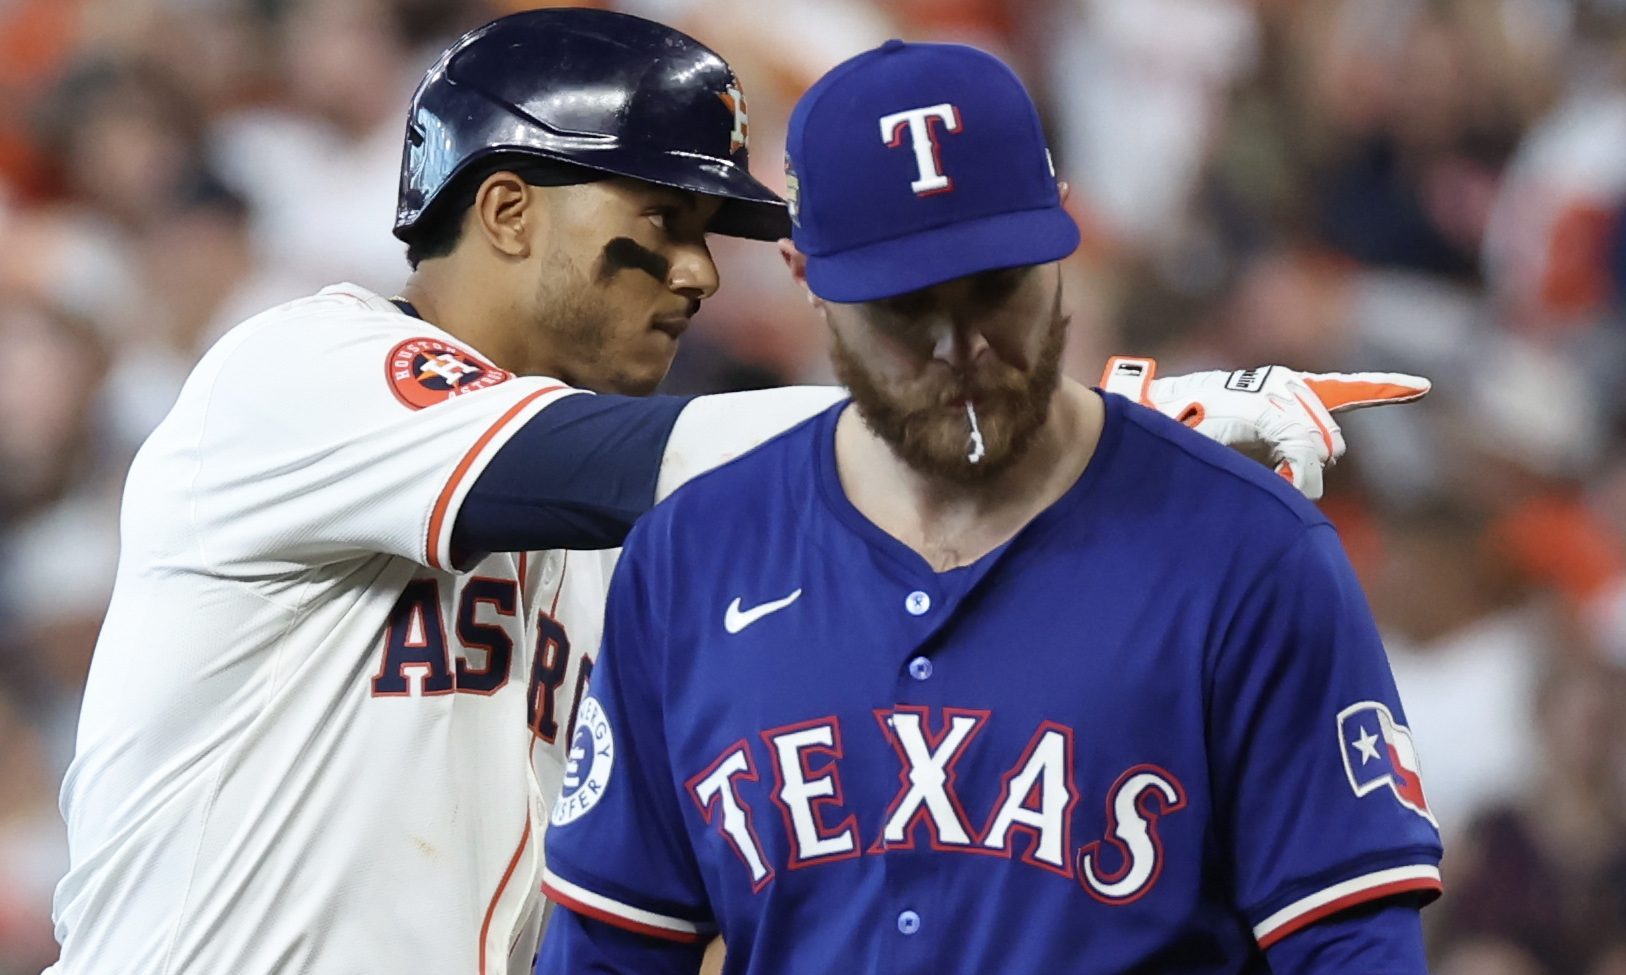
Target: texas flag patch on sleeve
(1378, 753)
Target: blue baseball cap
(914, 164)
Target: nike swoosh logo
(737, 619)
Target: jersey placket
(917, 925)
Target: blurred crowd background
(1432, 186)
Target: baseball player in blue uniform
(980, 670)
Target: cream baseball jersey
(1153, 732)
(314, 738)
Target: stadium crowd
(1429, 186)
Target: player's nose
(694, 273)
(957, 343)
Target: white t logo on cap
(924, 140)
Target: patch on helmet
(733, 97)
(1378, 752)
(588, 765)
(793, 190)
(423, 372)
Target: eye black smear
(626, 253)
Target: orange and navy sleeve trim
(594, 905)
(438, 544)
(1420, 878)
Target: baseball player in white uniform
(364, 558)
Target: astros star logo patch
(423, 372)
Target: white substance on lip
(976, 453)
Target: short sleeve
(327, 436)
(1318, 793)
(617, 846)
(1384, 937)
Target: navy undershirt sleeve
(577, 475)
(1381, 938)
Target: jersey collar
(872, 536)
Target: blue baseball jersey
(1154, 731)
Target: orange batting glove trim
(1130, 377)
(1339, 391)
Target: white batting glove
(1278, 415)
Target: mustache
(995, 381)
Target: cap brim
(919, 260)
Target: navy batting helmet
(606, 91)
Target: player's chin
(636, 375)
(640, 383)
(951, 462)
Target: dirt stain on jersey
(425, 847)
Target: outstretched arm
(581, 471)
(1281, 416)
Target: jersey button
(908, 922)
(920, 668)
(917, 603)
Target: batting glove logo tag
(588, 766)
(1378, 752)
(1248, 380)
(423, 372)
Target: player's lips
(677, 322)
(958, 395)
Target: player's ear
(1063, 187)
(504, 209)
(796, 262)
